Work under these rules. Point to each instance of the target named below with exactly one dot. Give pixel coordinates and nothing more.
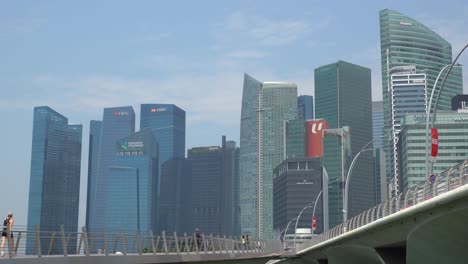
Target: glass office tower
(95, 129)
(403, 42)
(305, 107)
(136, 163)
(294, 131)
(453, 145)
(174, 204)
(214, 207)
(168, 124)
(54, 183)
(377, 124)
(118, 122)
(379, 162)
(265, 107)
(343, 98)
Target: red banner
(434, 142)
(315, 138)
(314, 222)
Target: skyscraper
(55, 177)
(379, 160)
(305, 107)
(377, 124)
(168, 124)
(294, 133)
(132, 184)
(406, 42)
(297, 182)
(174, 198)
(214, 182)
(265, 107)
(343, 98)
(95, 129)
(452, 145)
(118, 122)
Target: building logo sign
(131, 145)
(118, 113)
(315, 137)
(460, 118)
(136, 144)
(421, 118)
(161, 109)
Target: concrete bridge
(426, 224)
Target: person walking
(7, 227)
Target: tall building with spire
(406, 43)
(265, 107)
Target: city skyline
(35, 70)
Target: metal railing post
(196, 241)
(84, 235)
(176, 243)
(18, 241)
(137, 238)
(38, 242)
(124, 242)
(226, 245)
(152, 242)
(104, 239)
(9, 238)
(64, 243)
(51, 245)
(186, 243)
(204, 244)
(211, 243)
(164, 242)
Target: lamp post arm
(318, 197)
(428, 113)
(287, 226)
(345, 207)
(443, 82)
(297, 220)
(315, 206)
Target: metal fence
(44, 243)
(444, 182)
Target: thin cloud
(20, 26)
(247, 54)
(214, 98)
(264, 31)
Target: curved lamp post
(435, 104)
(297, 220)
(428, 111)
(316, 201)
(286, 229)
(348, 176)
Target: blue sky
(79, 57)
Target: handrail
(43, 243)
(445, 181)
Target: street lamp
(428, 111)
(286, 229)
(297, 220)
(316, 201)
(348, 176)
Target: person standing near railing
(7, 228)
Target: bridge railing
(445, 181)
(118, 242)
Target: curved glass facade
(411, 43)
(406, 42)
(265, 107)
